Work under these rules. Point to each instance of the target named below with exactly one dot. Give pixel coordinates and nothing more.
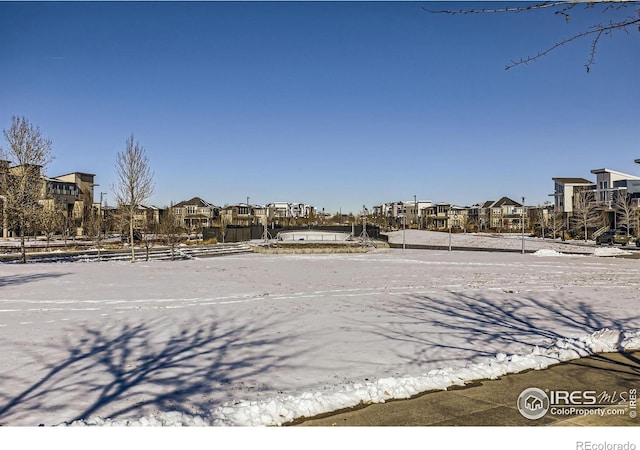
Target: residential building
(145, 218)
(258, 214)
(72, 192)
(458, 217)
(278, 212)
(238, 214)
(437, 216)
(564, 191)
(479, 216)
(397, 214)
(284, 213)
(610, 183)
(503, 215)
(84, 182)
(507, 214)
(608, 187)
(196, 213)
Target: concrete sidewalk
(494, 402)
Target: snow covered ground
(263, 339)
(510, 241)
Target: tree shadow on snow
(103, 368)
(481, 325)
(12, 280)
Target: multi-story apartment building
(611, 183)
(565, 190)
(609, 187)
(72, 193)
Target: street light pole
(449, 223)
(522, 220)
(404, 229)
(545, 216)
(248, 214)
(415, 201)
(102, 194)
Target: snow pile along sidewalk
(547, 252)
(611, 251)
(283, 409)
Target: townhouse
(601, 199)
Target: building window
(191, 209)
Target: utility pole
(415, 201)
(102, 218)
(449, 223)
(404, 228)
(248, 215)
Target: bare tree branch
(597, 31)
(500, 10)
(135, 182)
(29, 152)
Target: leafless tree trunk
(134, 182)
(171, 228)
(223, 228)
(557, 223)
(149, 234)
(29, 152)
(624, 210)
(52, 219)
(585, 212)
(93, 225)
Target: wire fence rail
(155, 253)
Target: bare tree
(94, 227)
(624, 210)
(586, 213)
(223, 228)
(135, 183)
(30, 153)
(149, 232)
(84, 211)
(565, 9)
(52, 219)
(557, 224)
(171, 228)
(538, 218)
(67, 222)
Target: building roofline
(57, 180)
(78, 173)
(632, 177)
(569, 180)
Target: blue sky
(331, 103)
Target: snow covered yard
(263, 339)
(506, 241)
